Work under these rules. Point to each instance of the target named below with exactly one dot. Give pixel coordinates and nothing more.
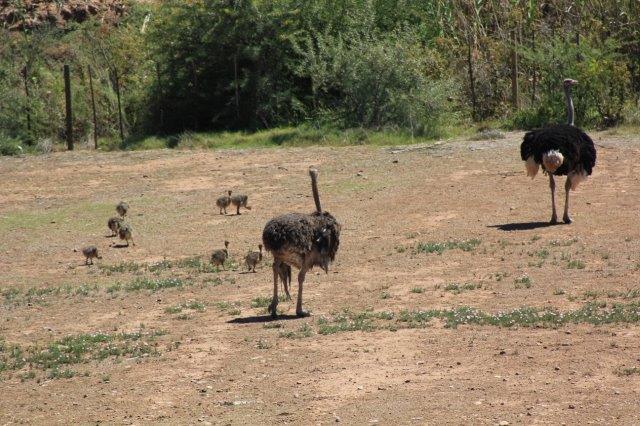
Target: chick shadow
(523, 226)
(119, 246)
(262, 319)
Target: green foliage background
(391, 66)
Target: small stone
(571, 406)
(504, 423)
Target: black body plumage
(575, 145)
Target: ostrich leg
(567, 187)
(274, 302)
(552, 185)
(301, 275)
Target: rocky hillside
(27, 14)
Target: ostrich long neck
(314, 188)
(567, 93)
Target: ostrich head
(551, 160)
(568, 83)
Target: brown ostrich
(224, 202)
(90, 253)
(302, 241)
(252, 259)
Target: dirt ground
(226, 362)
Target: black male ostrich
(301, 240)
(561, 150)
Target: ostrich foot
(554, 220)
(272, 309)
(300, 313)
(567, 219)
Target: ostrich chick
(224, 202)
(125, 233)
(284, 273)
(240, 201)
(90, 253)
(302, 241)
(114, 225)
(122, 208)
(218, 257)
(561, 150)
(253, 258)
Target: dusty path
(224, 363)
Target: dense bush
(368, 65)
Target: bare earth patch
(450, 301)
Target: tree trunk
(93, 107)
(514, 74)
(69, 116)
(25, 76)
(472, 84)
(237, 87)
(116, 83)
(534, 77)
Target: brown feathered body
(122, 208)
(224, 202)
(125, 232)
(114, 224)
(303, 240)
(218, 257)
(90, 253)
(253, 258)
(240, 201)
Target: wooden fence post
(117, 86)
(25, 77)
(67, 95)
(93, 107)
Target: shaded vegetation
(316, 72)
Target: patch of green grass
(417, 290)
(558, 292)
(153, 285)
(281, 136)
(39, 219)
(263, 344)
(575, 264)
(542, 253)
(627, 371)
(591, 313)
(263, 302)
(499, 276)
(121, 267)
(565, 243)
(459, 288)
(260, 302)
(303, 331)
(192, 305)
(42, 295)
(441, 247)
(55, 357)
(523, 281)
(270, 325)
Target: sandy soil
(230, 364)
